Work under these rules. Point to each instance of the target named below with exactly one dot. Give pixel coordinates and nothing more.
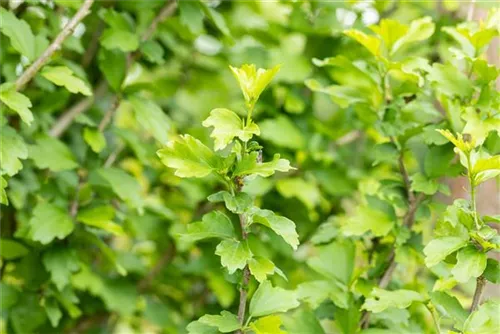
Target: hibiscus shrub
(199, 167)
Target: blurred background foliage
(124, 269)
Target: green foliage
(268, 167)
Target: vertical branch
(246, 271)
(246, 277)
(67, 118)
(478, 293)
(471, 10)
(408, 221)
(56, 45)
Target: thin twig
(164, 260)
(408, 221)
(68, 116)
(109, 114)
(245, 279)
(348, 138)
(478, 293)
(65, 120)
(74, 204)
(165, 12)
(86, 323)
(112, 157)
(56, 45)
(94, 43)
(472, 9)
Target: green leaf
(124, 185)
(269, 300)
(449, 307)
(470, 263)
(27, 314)
(316, 292)
(3, 193)
(492, 271)
(249, 165)
(381, 300)
(100, 217)
(354, 84)
(260, 267)
(302, 321)
(196, 327)
(485, 169)
(12, 150)
(267, 325)
(190, 157)
(16, 101)
(191, 15)
(282, 226)
(225, 322)
(484, 320)
(61, 262)
(342, 268)
(10, 296)
(95, 139)
(479, 125)
(49, 222)
(53, 311)
(365, 219)
(63, 76)
(238, 204)
(307, 192)
(420, 183)
(53, 154)
(153, 52)
(450, 81)
(120, 39)
(385, 152)
(227, 125)
(253, 81)
(19, 32)
(438, 160)
(390, 31)
(213, 225)
(113, 64)
(438, 249)
(370, 42)
(233, 254)
(420, 29)
(217, 19)
(152, 118)
(12, 249)
(120, 296)
(115, 19)
(282, 132)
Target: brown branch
(408, 221)
(86, 323)
(67, 118)
(478, 293)
(74, 204)
(92, 47)
(56, 45)
(109, 114)
(164, 260)
(112, 157)
(165, 13)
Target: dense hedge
(253, 167)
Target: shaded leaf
(268, 300)
(63, 76)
